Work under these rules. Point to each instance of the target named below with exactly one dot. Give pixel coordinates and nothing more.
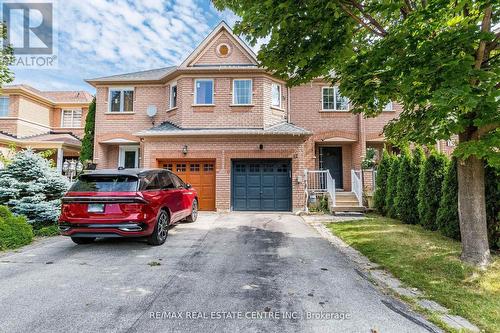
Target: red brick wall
(223, 150)
(306, 111)
(222, 114)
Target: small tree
(418, 161)
(447, 215)
(429, 191)
(87, 151)
(30, 187)
(381, 182)
(6, 57)
(392, 188)
(406, 189)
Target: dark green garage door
(261, 185)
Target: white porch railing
(357, 185)
(319, 181)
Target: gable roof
(149, 75)
(206, 43)
(161, 75)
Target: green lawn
(430, 262)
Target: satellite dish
(152, 111)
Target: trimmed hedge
(447, 215)
(419, 190)
(14, 230)
(381, 182)
(407, 186)
(392, 183)
(430, 187)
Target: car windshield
(89, 183)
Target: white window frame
(335, 91)
(121, 155)
(121, 90)
(72, 118)
(280, 95)
(251, 91)
(390, 108)
(8, 105)
(196, 94)
(170, 102)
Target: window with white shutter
(71, 118)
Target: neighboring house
(41, 120)
(232, 130)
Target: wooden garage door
(200, 174)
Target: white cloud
(106, 37)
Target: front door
(331, 159)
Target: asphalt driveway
(224, 273)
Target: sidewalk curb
(386, 280)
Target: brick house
(232, 130)
(43, 120)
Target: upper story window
(173, 95)
(276, 95)
(121, 100)
(4, 106)
(388, 107)
(333, 100)
(71, 118)
(204, 92)
(242, 92)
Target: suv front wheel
(160, 233)
(194, 212)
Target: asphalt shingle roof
(152, 74)
(68, 138)
(169, 129)
(74, 96)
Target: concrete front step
(347, 204)
(346, 199)
(347, 209)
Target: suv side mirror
(188, 186)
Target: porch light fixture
(72, 168)
(185, 149)
(261, 146)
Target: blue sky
(106, 37)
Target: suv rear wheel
(160, 233)
(83, 240)
(194, 212)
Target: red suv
(126, 203)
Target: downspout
(288, 105)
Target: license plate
(96, 208)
